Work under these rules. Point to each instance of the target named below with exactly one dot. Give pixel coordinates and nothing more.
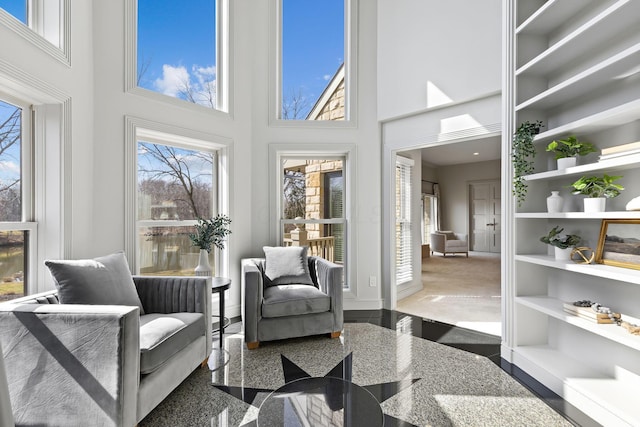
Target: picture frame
(619, 243)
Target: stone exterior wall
(334, 109)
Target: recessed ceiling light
(476, 154)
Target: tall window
(178, 50)
(312, 60)
(404, 250)
(176, 186)
(313, 206)
(16, 228)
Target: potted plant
(522, 153)
(567, 150)
(597, 189)
(563, 243)
(209, 233)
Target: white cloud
(8, 167)
(326, 77)
(197, 86)
(173, 80)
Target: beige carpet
(459, 291)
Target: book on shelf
(617, 155)
(620, 150)
(587, 313)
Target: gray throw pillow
(104, 280)
(286, 265)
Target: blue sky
(177, 44)
(10, 159)
(17, 8)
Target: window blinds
(404, 259)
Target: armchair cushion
(103, 281)
(292, 300)
(163, 335)
(286, 265)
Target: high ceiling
(463, 152)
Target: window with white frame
(17, 228)
(46, 18)
(314, 77)
(176, 185)
(313, 206)
(404, 250)
(181, 50)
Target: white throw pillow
(286, 265)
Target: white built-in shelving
(575, 67)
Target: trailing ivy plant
(522, 154)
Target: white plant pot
(566, 162)
(594, 204)
(563, 254)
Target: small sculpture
(634, 204)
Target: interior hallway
(459, 291)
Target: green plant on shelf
(559, 240)
(570, 147)
(598, 186)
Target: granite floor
(422, 373)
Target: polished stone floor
(421, 372)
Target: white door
(485, 216)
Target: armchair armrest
(176, 294)
(328, 276)
(438, 242)
(85, 358)
(252, 294)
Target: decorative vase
(203, 268)
(594, 204)
(562, 254)
(555, 202)
(566, 162)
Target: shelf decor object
(597, 189)
(555, 202)
(583, 255)
(563, 243)
(567, 151)
(619, 243)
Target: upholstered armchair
(273, 309)
(107, 365)
(446, 242)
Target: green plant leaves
(211, 232)
(595, 186)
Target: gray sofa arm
(252, 290)
(71, 364)
(328, 277)
(175, 294)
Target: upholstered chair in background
(448, 242)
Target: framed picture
(619, 243)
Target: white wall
(431, 51)
(454, 189)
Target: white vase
(555, 202)
(594, 204)
(563, 254)
(203, 268)
(566, 162)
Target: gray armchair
(107, 365)
(287, 311)
(449, 242)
